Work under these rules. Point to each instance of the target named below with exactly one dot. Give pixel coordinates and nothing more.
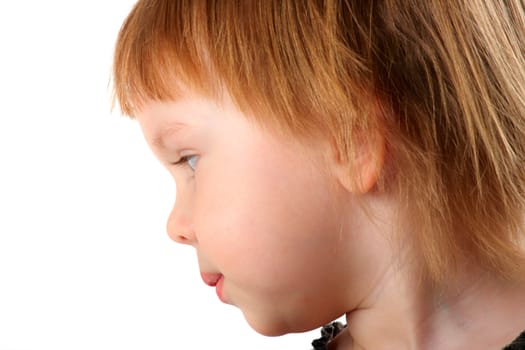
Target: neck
(476, 312)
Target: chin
(268, 329)
(267, 326)
(271, 327)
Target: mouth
(211, 279)
(214, 280)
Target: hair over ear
(360, 171)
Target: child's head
(434, 89)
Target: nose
(179, 225)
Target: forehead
(161, 121)
(191, 114)
(172, 116)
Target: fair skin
(284, 228)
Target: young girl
(358, 158)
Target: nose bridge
(180, 225)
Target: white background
(84, 259)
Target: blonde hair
(448, 76)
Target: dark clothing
(517, 344)
(329, 332)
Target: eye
(190, 160)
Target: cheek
(272, 211)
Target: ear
(359, 171)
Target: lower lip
(218, 288)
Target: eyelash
(185, 160)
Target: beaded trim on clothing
(328, 332)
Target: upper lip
(211, 279)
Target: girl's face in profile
(264, 214)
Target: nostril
(182, 237)
(179, 227)
(178, 237)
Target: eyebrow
(173, 129)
